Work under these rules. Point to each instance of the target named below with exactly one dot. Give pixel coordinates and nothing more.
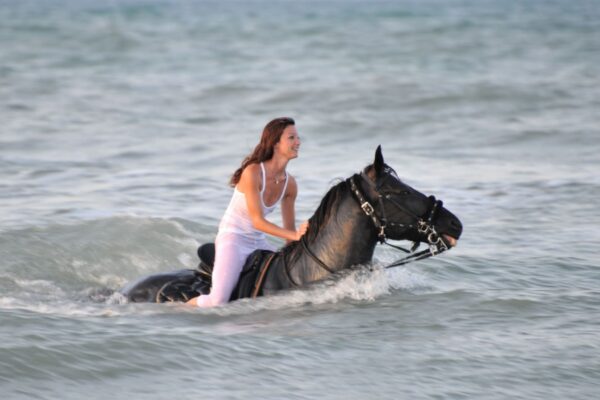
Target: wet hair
(264, 149)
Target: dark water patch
(130, 155)
(19, 107)
(204, 120)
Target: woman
(260, 184)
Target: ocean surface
(122, 120)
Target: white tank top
(237, 218)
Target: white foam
(39, 288)
(359, 284)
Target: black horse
(353, 217)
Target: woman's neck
(276, 165)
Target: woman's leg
(230, 256)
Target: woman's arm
(288, 204)
(249, 184)
(288, 208)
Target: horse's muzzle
(449, 240)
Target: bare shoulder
(250, 172)
(250, 177)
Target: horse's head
(403, 212)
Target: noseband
(424, 225)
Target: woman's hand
(302, 230)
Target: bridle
(424, 225)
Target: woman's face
(289, 143)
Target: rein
(424, 226)
(314, 257)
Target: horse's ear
(379, 164)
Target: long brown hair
(264, 149)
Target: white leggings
(231, 251)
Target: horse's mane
(323, 212)
(321, 215)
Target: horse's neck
(348, 238)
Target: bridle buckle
(367, 208)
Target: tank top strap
(284, 188)
(264, 178)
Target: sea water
(122, 120)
